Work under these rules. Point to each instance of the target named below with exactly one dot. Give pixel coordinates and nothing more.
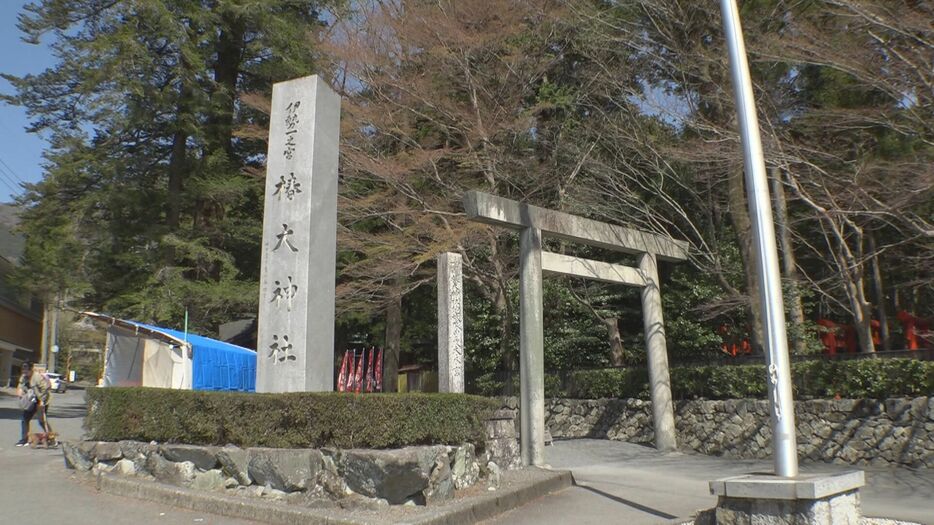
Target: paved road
(616, 483)
(625, 483)
(35, 482)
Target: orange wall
(20, 330)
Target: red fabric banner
(341, 376)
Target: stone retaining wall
(855, 432)
(313, 477)
(317, 478)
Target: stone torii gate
(533, 223)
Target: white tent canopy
(138, 356)
(135, 358)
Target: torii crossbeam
(533, 223)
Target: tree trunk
(219, 135)
(178, 160)
(852, 273)
(226, 72)
(178, 165)
(789, 265)
(849, 267)
(176, 170)
(44, 342)
(739, 215)
(617, 357)
(393, 338)
(498, 294)
(862, 318)
(504, 312)
(880, 294)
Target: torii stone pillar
(657, 351)
(533, 223)
(531, 348)
(295, 344)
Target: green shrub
(613, 382)
(864, 378)
(719, 382)
(868, 378)
(293, 420)
(552, 385)
(493, 385)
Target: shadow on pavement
(11, 413)
(628, 503)
(67, 412)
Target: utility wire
(13, 192)
(7, 166)
(7, 180)
(9, 175)
(9, 169)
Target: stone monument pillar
(450, 323)
(295, 344)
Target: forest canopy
(156, 113)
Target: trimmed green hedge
(293, 420)
(864, 378)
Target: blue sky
(20, 152)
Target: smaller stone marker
(450, 323)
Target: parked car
(58, 382)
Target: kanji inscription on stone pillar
(450, 323)
(295, 344)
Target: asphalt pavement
(615, 483)
(36, 488)
(625, 483)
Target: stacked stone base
(502, 440)
(357, 478)
(842, 509)
(770, 500)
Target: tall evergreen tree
(153, 162)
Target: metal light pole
(760, 211)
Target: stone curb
(220, 504)
(492, 503)
(465, 512)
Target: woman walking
(34, 393)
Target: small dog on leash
(43, 439)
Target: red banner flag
(371, 361)
(358, 377)
(341, 375)
(379, 370)
(351, 367)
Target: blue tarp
(216, 365)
